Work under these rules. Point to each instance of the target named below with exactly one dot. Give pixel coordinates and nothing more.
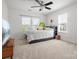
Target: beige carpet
(52, 49)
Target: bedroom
(17, 11)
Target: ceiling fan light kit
(42, 5)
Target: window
(30, 20)
(62, 22)
(35, 21)
(26, 20)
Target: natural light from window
(26, 20)
(62, 22)
(34, 21)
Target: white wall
(4, 10)
(16, 22)
(50, 17)
(71, 36)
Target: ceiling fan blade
(38, 2)
(48, 8)
(49, 3)
(35, 6)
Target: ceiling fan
(42, 5)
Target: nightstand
(7, 50)
(58, 37)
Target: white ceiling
(26, 5)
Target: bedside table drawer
(7, 52)
(7, 49)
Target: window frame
(31, 21)
(63, 24)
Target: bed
(39, 35)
